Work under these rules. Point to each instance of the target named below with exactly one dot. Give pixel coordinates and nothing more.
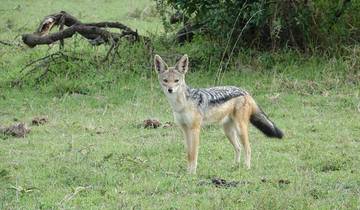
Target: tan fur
(233, 115)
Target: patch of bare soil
(39, 120)
(17, 130)
(154, 123)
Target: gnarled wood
(96, 33)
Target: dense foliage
(274, 24)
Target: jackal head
(171, 79)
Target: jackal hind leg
(233, 136)
(244, 138)
(242, 118)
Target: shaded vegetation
(305, 25)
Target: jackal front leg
(192, 146)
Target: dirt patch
(39, 120)
(154, 123)
(279, 181)
(168, 125)
(218, 182)
(222, 183)
(17, 130)
(151, 123)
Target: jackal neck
(179, 100)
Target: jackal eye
(176, 80)
(165, 80)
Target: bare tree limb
(96, 33)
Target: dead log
(96, 33)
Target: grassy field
(94, 154)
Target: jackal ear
(160, 65)
(183, 64)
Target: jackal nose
(170, 90)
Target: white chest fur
(184, 111)
(184, 117)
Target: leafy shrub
(265, 24)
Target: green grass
(19, 16)
(93, 155)
(94, 141)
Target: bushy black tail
(264, 124)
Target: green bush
(264, 24)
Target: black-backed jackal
(230, 106)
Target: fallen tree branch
(96, 33)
